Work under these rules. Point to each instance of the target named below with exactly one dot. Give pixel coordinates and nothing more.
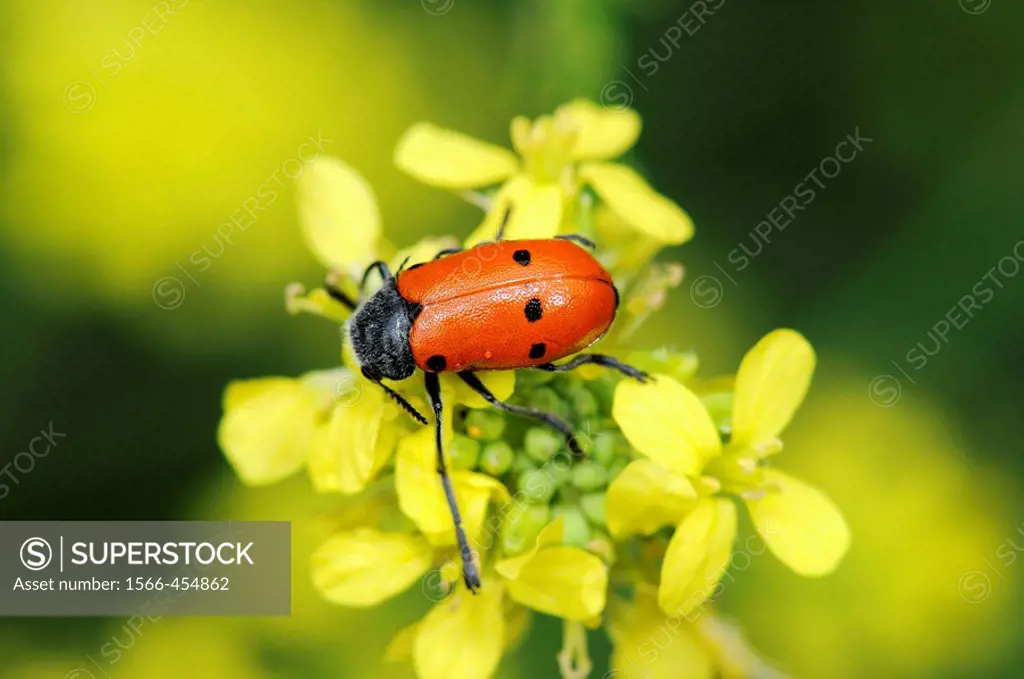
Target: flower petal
(634, 201)
(601, 134)
(400, 647)
(419, 489)
(353, 445)
(462, 637)
(646, 496)
(536, 212)
(517, 624)
(451, 160)
(338, 214)
(662, 647)
(802, 526)
(365, 567)
(666, 422)
(770, 385)
(266, 427)
(697, 556)
(562, 581)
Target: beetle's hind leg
(598, 359)
(448, 251)
(469, 571)
(547, 418)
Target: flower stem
(573, 660)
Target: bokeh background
(128, 139)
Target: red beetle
(500, 305)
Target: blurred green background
(133, 130)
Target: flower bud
(541, 443)
(576, 531)
(616, 468)
(522, 462)
(584, 403)
(537, 486)
(589, 475)
(549, 401)
(485, 425)
(522, 526)
(496, 458)
(463, 452)
(605, 447)
(593, 507)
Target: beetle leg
(447, 251)
(395, 395)
(469, 571)
(547, 418)
(381, 268)
(578, 239)
(599, 359)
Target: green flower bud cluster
(533, 461)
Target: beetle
(500, 305)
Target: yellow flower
(464, 635)
(340, 223)
(339, 216)
(686, 465)
(333, 422)
(649, 644)
(558, 156)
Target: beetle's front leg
(469, 570)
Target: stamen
(769, 447)
(746, 465)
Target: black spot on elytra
(538, 350)
(416, 266)
(533, 310)
(437, 363)
(522, 257)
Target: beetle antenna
(578, 239)
(381, 268)
(332, 284)
(504, 223)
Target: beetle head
(379, 331)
